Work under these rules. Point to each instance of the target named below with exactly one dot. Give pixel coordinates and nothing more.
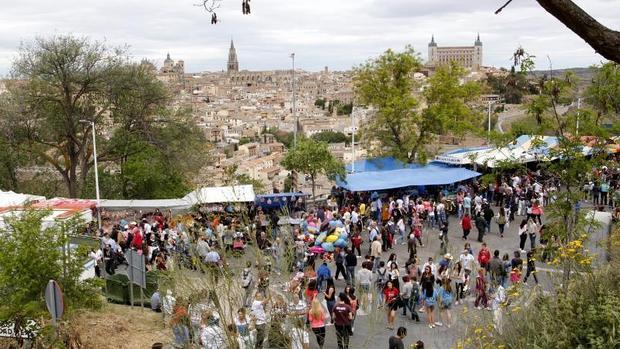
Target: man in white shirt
(467, 261)
(260, 318)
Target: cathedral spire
(233, 63)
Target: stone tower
(233, 64)
(478, 53)
(432, 49)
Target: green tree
(331, 137)
(66, 79)
(402, 125)
(313, 158)
(60, 81)
(320, 102)
(32, 255)
(604, 92)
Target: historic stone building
(173, 68)
(467, 56)
(233, 63)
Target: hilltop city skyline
(321, 33)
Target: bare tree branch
(501, 8)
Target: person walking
(466, 225)
(260, 318)
(531, 267)
(458, 275)
(501, 221)
(481, 226)
(532, 231)
(445, 303)
(522, 235)
(342, 315)
(247, 282)
(396, 342)
(430, 295)
(481, 290)
(351, 263)
(339, 259)
(330, 297)
(316, 317)
(392, 301)
(405, 294)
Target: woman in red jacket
(466, 225)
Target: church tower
(477, 53)
(233, 64)
(432, 51)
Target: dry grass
(121, 327)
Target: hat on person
(447, 256)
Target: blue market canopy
(407, 175)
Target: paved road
(370, 330)
(518, 112)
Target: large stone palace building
(467, 56)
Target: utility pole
(353, 141)
(294, 111)
(577, 125)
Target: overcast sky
(334, 33)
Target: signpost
(54, 301)
(136, 273)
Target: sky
(339, 34)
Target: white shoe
(438, 324)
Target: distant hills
(584, 74)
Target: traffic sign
(54, 300)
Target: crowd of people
(378, 274)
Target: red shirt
(356, 240)
(466, 223)
(137, 241)
(484, 256)
(390, 294)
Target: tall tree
(402, 125)
(60, 81)
(313, 158)
(604, 92)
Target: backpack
(415, 294)
(501, 220)
(381, 277)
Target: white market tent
(524, 149)
(9, 198)
(172, 204)
(214, 195)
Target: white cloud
(336, 33)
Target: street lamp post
(92, 124)
(294, 111)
